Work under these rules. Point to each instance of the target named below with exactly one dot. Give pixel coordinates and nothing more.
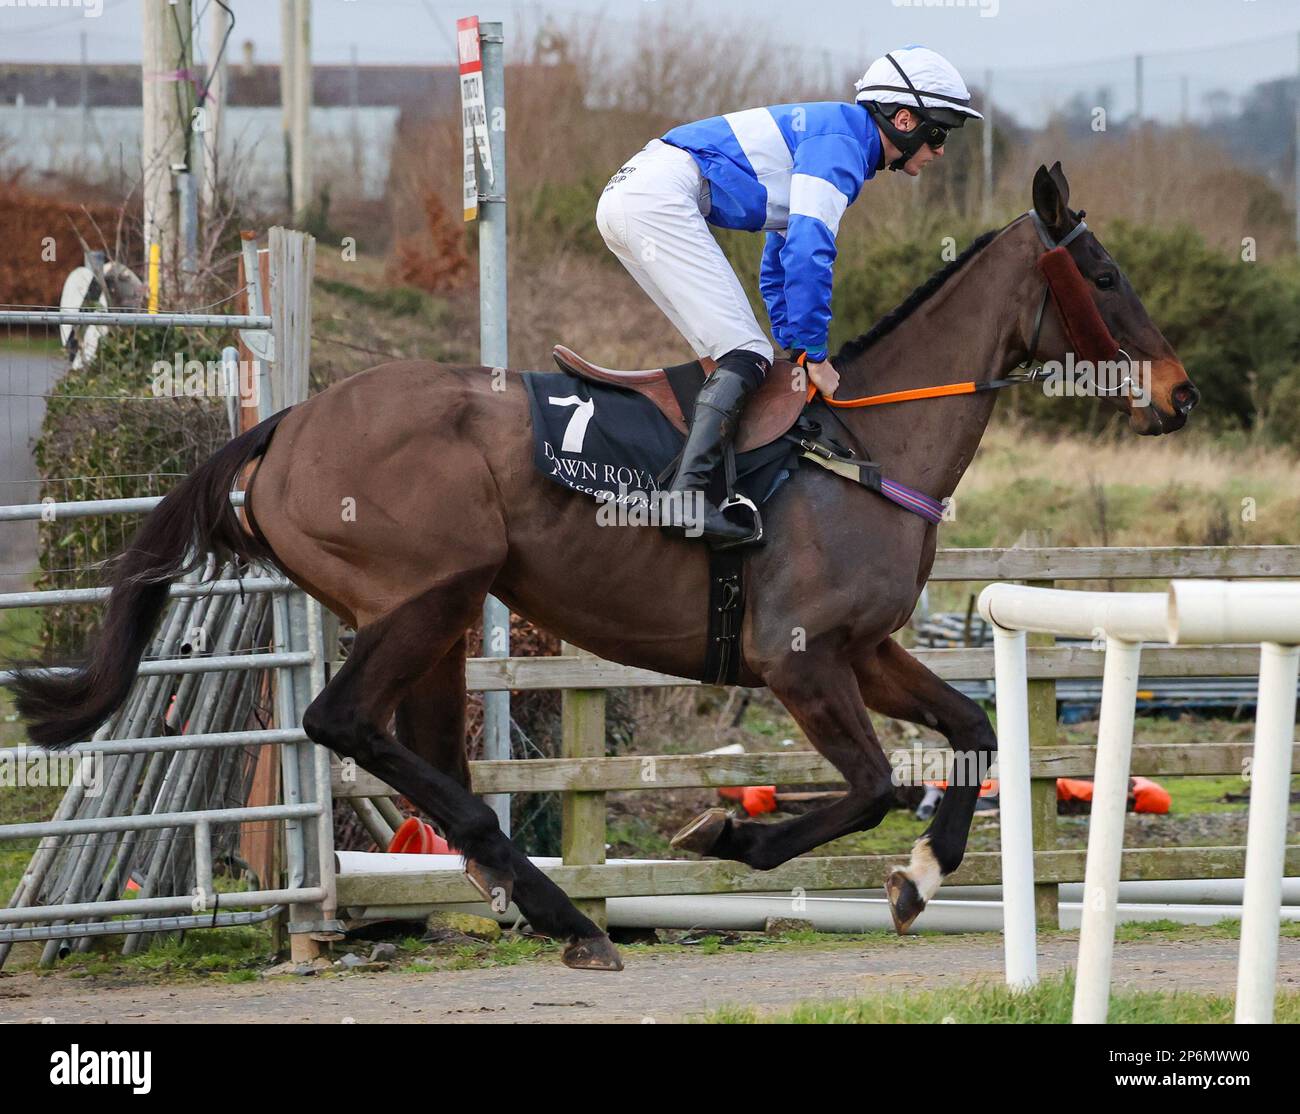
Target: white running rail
(1190, 612)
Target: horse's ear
(1050, 199)
(1058, 176)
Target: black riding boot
(686, 507)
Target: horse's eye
(1106, 281)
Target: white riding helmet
(933, 78)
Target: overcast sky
(1035, 36)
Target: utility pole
(168, 104)
(214, 106)
(302, 183)
(1138, 89)
(354, 103)
(986, 139)
(295, 103)
(84, 92)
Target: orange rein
(967, 388)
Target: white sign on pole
(473, 110)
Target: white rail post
(1015, 809)
(1270, 791)
(1106, 830)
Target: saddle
(775, 412)
(769, 413)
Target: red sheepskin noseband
(1087, 332)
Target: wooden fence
(583, 775)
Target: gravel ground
(666, 987)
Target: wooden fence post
(1042, 733)
(582, 822)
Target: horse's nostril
(1185, 396)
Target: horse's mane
(887, 324)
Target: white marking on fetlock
(924, 869)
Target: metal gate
(93, 847)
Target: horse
(402, 496)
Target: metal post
(1270, 788)
(1106, 830)
(187, 189)
(1015, 809)
(493, 351)
(297, 619)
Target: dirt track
(660, 988)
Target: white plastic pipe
(1014, 809)
(1179, 891)
(1133, 616)
(1106, 830)
(1234, 611)
(1270, 790)
(750, 913)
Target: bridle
(1084, 329)
(1051, 245)
(1063, 275)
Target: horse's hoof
(496, 887)
(905, 901)
(702, 834)
(593, 953)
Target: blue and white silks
(790, 170)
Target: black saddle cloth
(611, 443)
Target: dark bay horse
(402, 496)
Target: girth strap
(726, 616)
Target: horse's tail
(193, 520)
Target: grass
(1172, 931)
(234, 954)
(508, 951)
(1050, 1003)
(19, 638)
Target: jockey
(790, 170)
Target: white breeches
(652, 217)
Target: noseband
(1066, 286)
